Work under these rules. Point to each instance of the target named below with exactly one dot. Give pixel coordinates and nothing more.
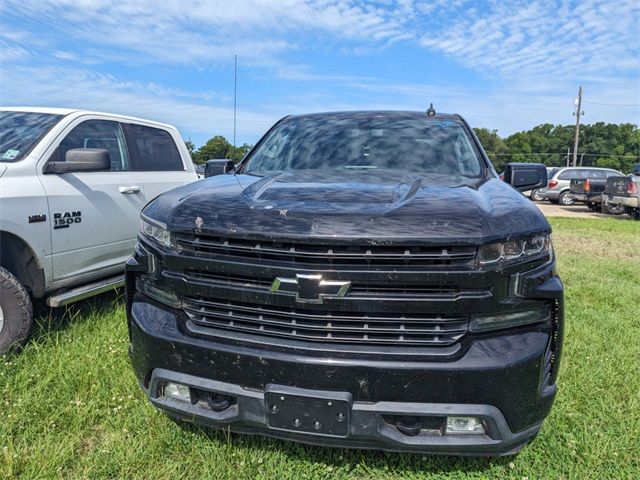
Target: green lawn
(70, 406)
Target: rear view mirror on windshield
(526, 176)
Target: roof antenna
(431, 112)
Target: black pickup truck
(589, 190)
(360, 279)
(624, 192)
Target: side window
(153, 149)
(595, 174)
(568, 175)
(97, 134)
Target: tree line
(607, 145)
(217, 147)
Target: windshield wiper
(360, 167)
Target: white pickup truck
(72, 184)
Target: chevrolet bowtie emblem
(310, 288)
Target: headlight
(156, 232)
(515, 249)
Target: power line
(613, 104)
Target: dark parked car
(361, 279)
(624, 192)
(589, 190)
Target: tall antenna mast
(235, 95)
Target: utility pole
(577, 113)
(235, 95)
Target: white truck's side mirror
(81, 160)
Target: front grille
(325, 326)
(321, 255)
(357, 289)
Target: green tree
(219, 147)
(237, 153)
(493, 145)
(601, 144)
(216, 147)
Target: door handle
(129, 189)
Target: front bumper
(368, 427)
(498, 379)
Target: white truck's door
(94, 215)
(160, 156)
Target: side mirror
(526, 176)
(81, 160)
(217, 167)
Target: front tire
(566, 199)
(16, 312)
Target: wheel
(636, 214)
(537, 196)
(16, 312)
(565, 199)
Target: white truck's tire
(16, 312)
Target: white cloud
(533, 55)
(200, 31)
(84, 89)
(545, 41)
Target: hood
(368, 206)
(3, 168)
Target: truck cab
(72, 185)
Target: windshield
(414, 144)
(20, 131)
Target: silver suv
(557, 190)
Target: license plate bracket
(314, 412)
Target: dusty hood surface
(349, 205)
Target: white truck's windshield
(421, 145)
(20, 131)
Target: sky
(502, 65)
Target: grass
(70, 406)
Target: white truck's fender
(24, 210)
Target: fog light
(484, 323)
(464, 425)
(161, 295)
(177, 391)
